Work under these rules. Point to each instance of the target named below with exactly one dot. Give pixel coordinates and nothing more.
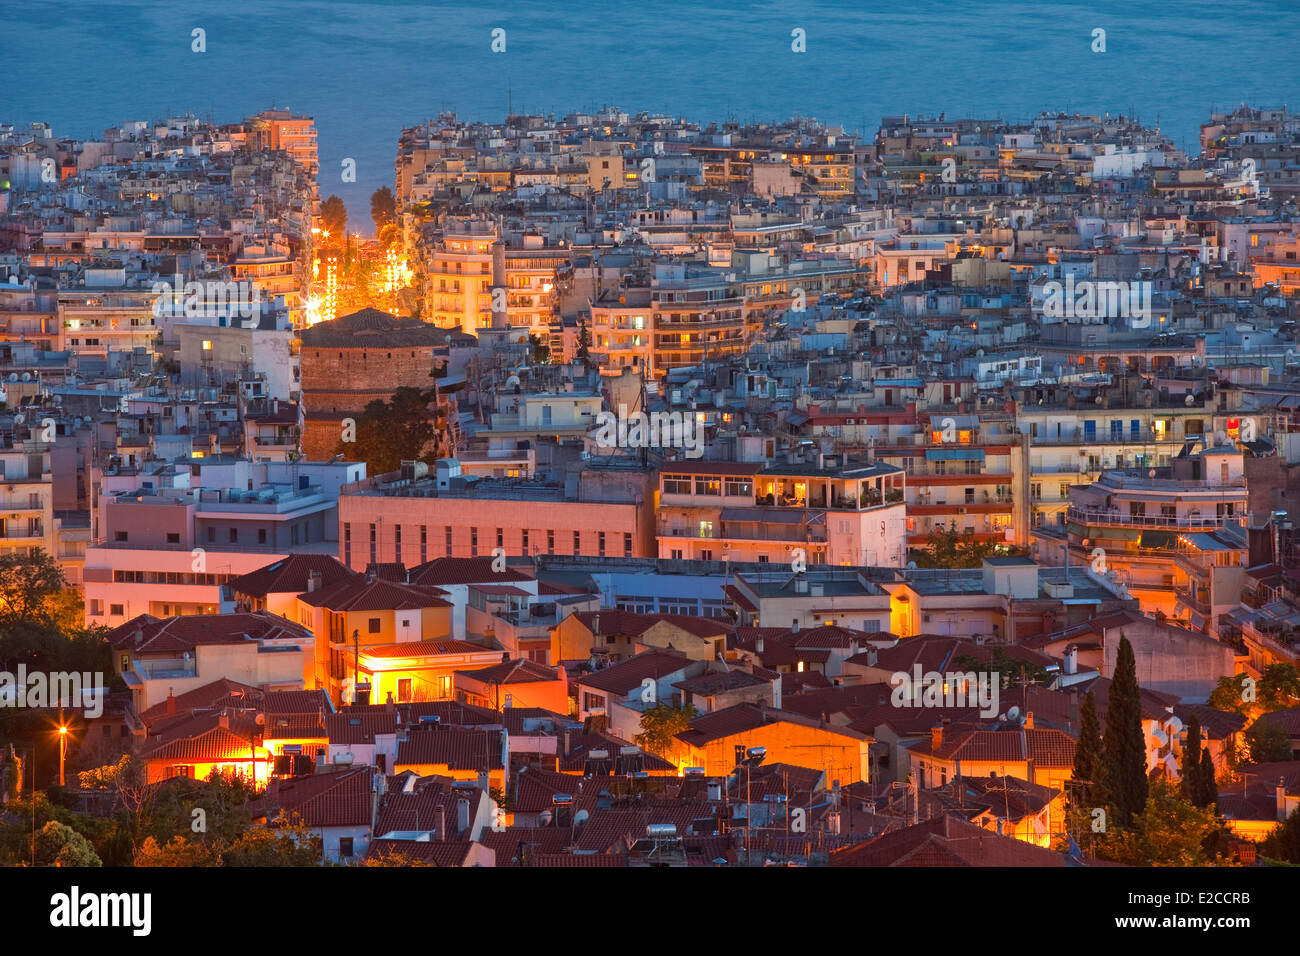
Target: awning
(1157, 539)
(954, 454)
(1203, 541)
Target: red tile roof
(458, 749)
(343, 798)
(945, 841)
(290, 575)
(621, 678)
(147, 634)
(359, 594)
(447, 571)
(517, 671)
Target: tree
(584, 344)
(178, 851)
(1010, 670)
(1279, 686)
(1227, 696)
(660, 725)
(1193, 786)
(286, 842)
(1209, 786)
(59, 845)
(383, 207)
(30, 589)
(1283, 843)
(392, 858)
(950, 548)
(1124, 773)
(1169, 831)
(1268, 743)
(388, 433)
(334, 217)
(541, 351)
(1088, 754)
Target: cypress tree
(1190, 764)
(1209, 786)
(1087, 753)
(1124, 759)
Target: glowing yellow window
(207, 345)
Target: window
(212, 535)
(577, 542)
(424, 544)
(373, 625)
(119, 536)
(677, 484)
(738, 487)
(524, 534)
(708, 486)
(173, 537)
(1117, 429)
(550, 542)
(600, 543)
(473, 541)
(448, 535)
(261, 536)
(501, 538)
(397, 543)
(345, 847)
(403, 690)
(234, 535)
(627, 544)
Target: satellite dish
(13, 376)
(911, 565)
(1013, 714)
(581, 817)
(27, 376)
(1189, 400)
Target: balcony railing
(176, 669)
(1166, 522)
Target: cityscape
(626, 490)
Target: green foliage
(388, 433)
(334, 217)
(1124, 774)
(59, 845)
(1283, 843)
(1088, 753)
(1226, 696)
(541, 351)
(383, 207)
(1169, 831)
(1012, 671)
(178, 851)
(950, 548)
(287, 842)
(1267, 742)
(584, 344)
(660, 724)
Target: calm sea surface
(366, 69)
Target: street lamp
(63, 750)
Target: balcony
(173, 669)
(1164, 522)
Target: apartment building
(605, 508)
(837, 511)
(167, 550)
(1173, 536)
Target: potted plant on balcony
(870, 496)
(894, 495)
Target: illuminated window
(207, 345)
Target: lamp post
(63, 746)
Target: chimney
(1029, 720)
(313, 581)
(936, 737)
(794, 627)
(758, 645)
(171, 703)
(224, 720)
(462, 816)
(483, 781)
(1281, 800)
